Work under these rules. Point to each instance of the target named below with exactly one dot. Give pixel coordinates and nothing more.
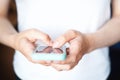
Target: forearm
(108, 35)
(7, 32)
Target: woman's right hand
(25, 43)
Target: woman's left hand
(79, 45)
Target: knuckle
(46, 37)
(63, 38)
(73, 32)
(74, 59)
(68, 67)
(29, 59)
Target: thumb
(66, 37)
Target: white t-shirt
(55, 17)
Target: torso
(55, 17)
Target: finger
(35, 34)
(71, 59)
(73, 55)
(60, 41)
(45, 63)
(60, 67)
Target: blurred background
(6, 54)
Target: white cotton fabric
(55, 17)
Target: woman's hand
(79, 45)
(25, 43)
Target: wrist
(12, 39)
(9, 40)
(90, 42)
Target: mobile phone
(49, 53)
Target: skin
(80, 43)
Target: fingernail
(55, 44)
